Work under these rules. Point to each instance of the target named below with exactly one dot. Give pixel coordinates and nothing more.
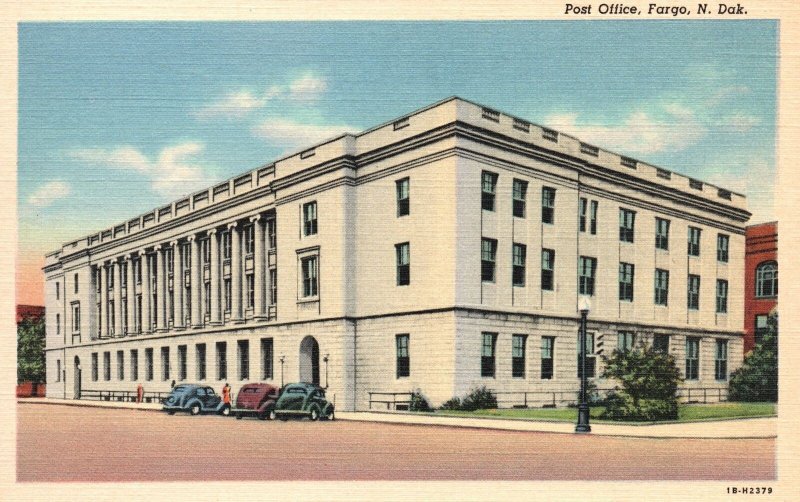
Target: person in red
(226, 394)
(139, 393)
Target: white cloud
(750, 174)
(234, 105)
(307, 88)
(173, 173)
(49, 193)
(740, 122)
(724, 93)
(289, 134)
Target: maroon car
(256, 399)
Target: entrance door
(77, 371)
(309, 360)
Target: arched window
(767, 279)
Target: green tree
(649, 380)
(30, 350)
(757, 379)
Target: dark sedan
(303, 400)
(195, 399)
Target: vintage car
(195, 399)
(303, 400)
(256, 399)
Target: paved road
(62, 443)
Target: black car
(195, 399)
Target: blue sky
(118, 118)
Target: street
(70, 443)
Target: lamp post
(584, 305)
(326, 369)
(282, 359)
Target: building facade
(443, 250)
(761, 280)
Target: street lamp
(326, 369)
(282, 359)
(584, 305)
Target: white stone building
(441, 251)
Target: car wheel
(225, 411)
(313, 413)
(195, 409)
(263, 415)
(271, 415)
(331, 415)
(170, 413)
(283, 419)
(238, 416)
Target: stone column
(236, 273)
(118, 275)
(131, 287)
(197, 283)
(146, 293)
(258, 267)
(214, 273)
(161, 290)
(177, 285)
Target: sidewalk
(718, 429)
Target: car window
(209, 391)
(251, 390)
(201, 392)
(296, 391)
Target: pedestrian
(226, 394)
(139, 393)
(172, 385)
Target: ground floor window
(94, 367)
(762, 327)
(165, 363)
(403, 366)
(590, 358)
(148, 364)
(692, 358)
(625, 341)
(721, 360)
(661, 343)
(134, 365)
(266, 359)
(120, 365)
(181, 362)
(222, 360)
(487, 354)
(548, 346)
(518, 356)
(243, 355)
(200, 352)
(106, 366)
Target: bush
(621, 406)
(418, 402)
(479, 398)
(757, 379)
(451, 404)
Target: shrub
(479, 399)
(757, 379)
(451, 404)
(418, 402)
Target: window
(722, 247)
(205, 251)
(107, 366)
(626, 222)
(273, 286)
(693, 301)
(58, 370)
(625, 341)
(403, 264)
(243, 355)
(548, 204)
(661, 287)
(111, 321)
(272, 233)
(168, 258)
(94, 367)
(403, 362)
(590, 358)
(222, 360)
(584, 206)
(520, 189)
(110, 275)
(227, 292)
(767, 279)
(518, 356)
(200, 355)
(692, 358)
(548, 265)
(488, 186)
(58, 291)
(120, 365)
(226, 245)
(250, 238)
(148, 364)
(165, 363)
(76, 318)
(488, 255)
(548, 345)
(310, 218)
(662, 234)
(722, 296)
(586, 270)
(134, 365)
(403, 203)
(762, 327)
(58, 324)
(593, 218)
(694, 241)
(721, 360)
(75, 277)
(626, 282)
(266, 358)
(309, 266)
(138, 270)
(518, 261)
(661, 343)
(487, 354)
(251, 291)
(181, 362)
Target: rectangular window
(488, 255)
(590, 357)
(250, 239)
(243, 356)
(58, 370)
(134, 365)
(548, 346)
(168, 258)
(721, 361)
(403, 202)
(110, 275)
(120, 365)
(76, 318)
(227, 292)
(694, 241)
(310, 218)
(272, 233)
(94, 367)
(586, 271)
(548, 204)
(722, 296)
(593, 218)
(762, 327)
(626, 223)
(520, 191)
(111, 317)
(148, 364)
(518, 356)
(200, 355)
(58, 291)
(205, 251)
(309, 266)
(661, 287)
(222, 360)
(207, 300)
(548, 266)
(661, 343)
(273, 286)
(58, 324)
(181, 362)
(692, 358)
(403, 252)
(584, 206)
(488, 187)
(625, 341)
(226, 245)
(75, 277)
(662, 234)
(722, 247)
(693, 296)
(518, 264)
(106, 366)
(165, 364)
(251, 291)
(626, 281)
(487, 354)
(403, 362)
(266, 358)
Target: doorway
(77, 371)
(309, 360)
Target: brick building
(761, 279)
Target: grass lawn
(686, 412)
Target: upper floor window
(693, 294)
(662, 234)
(58, 291)
(548, 204)
(593, 217)
(403, 205)
(76, 318)
(548, 265)
(694, 241)
(272, 235)
(626, 281)
(488, 188)
(586, 271)
(767, 279)
(226, 245)
(519, 193)
(76, 283)
(310, 218)
(205, 251)
(626, 220)
(250, 237)
(403, 252)
(488, 255)
(722, 296)
(518, 264)
(722, 247)
(168, 256)
(661, 287)
(309, 269)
